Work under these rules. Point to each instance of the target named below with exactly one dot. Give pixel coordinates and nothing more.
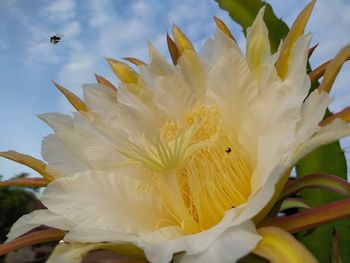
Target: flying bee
(55, 39)
(228, 150)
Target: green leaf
(244, 13)
(327, 159)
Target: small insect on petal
(29, 161)
(76, 102)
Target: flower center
(212, 179)
(199, 171)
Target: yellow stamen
(197, 178)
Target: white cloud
(42, 52)
(78, 70)
(142, 8)
(60, 10)
(124, 38)
(99, 12)
(71, 29)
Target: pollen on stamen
(211, 179)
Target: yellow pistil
(208, 180)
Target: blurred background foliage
(15, 202)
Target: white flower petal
(61, 161)
(312, 112)
(100, 98)
(231, 246)
(75, 252)
(172, 95)
(63, 125)
(274, 111)
(91, 235)
(230, 83)
(217, 47)
(38, 218)
(213, 245)
(135, 116)
(61, 150)
(60, 123)
(297, 83)
(106, 201)
(274, 150)
(194, 73)
(258, 44)
(158, 64)
(299, 57)
(327, 134)
(72, 253)
(260, 197)
(98, 147)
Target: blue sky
(94, 29)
